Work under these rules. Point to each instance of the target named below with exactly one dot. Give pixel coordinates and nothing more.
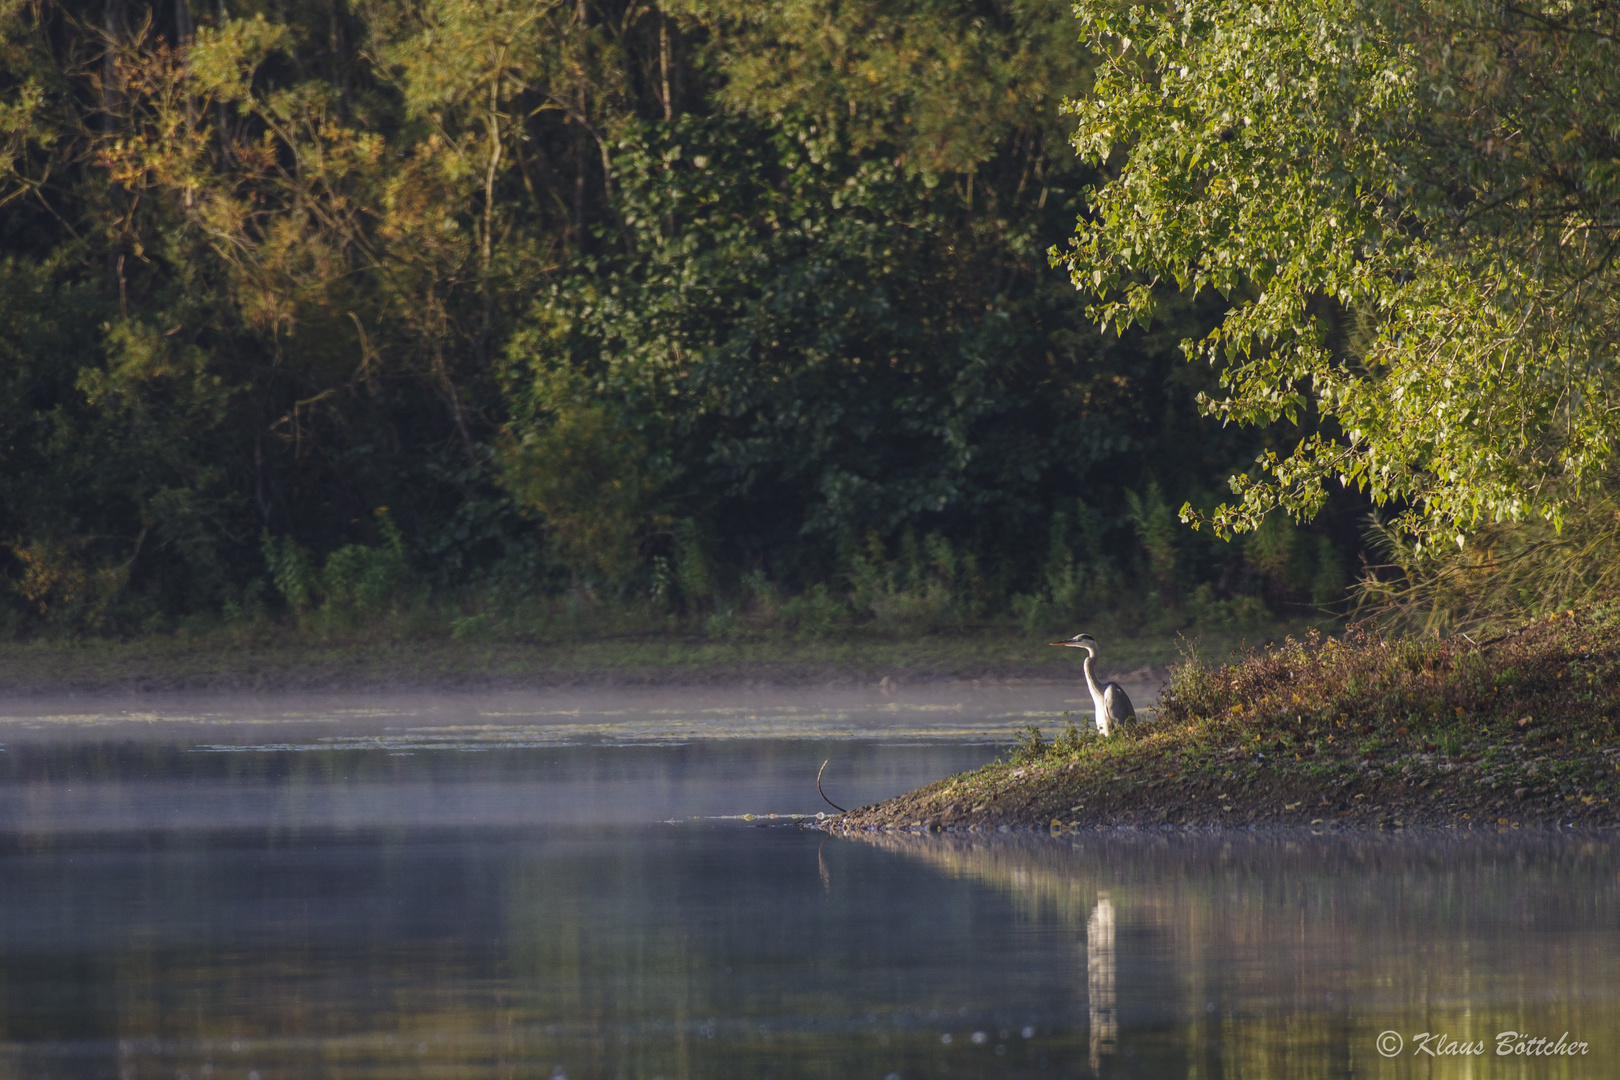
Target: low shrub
(1555, 679)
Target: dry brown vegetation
(1549, 682)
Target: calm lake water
(566, 886)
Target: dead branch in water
(823, 794)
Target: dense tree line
(1413, 209)
(318, 302)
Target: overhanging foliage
(1412, 209)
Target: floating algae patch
(647, 732)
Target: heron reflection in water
(1100, 979)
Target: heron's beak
(1058, 643)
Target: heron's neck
(1091, 676)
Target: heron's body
(1109, 702)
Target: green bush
(356, 579)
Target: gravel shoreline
(1568, 787)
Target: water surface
(540, 886)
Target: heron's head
(1080, 641)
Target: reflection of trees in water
(1286, 955)
(692, 954)
(1208, 956)
(1100, 979)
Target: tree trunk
(663, 65)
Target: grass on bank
(271, 656)
(928, 606)
(1526, 723)
(361, 620)
(1550, 683)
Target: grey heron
(1109, 700)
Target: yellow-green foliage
(1407, 208)
(587, 476)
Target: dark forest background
(475, 317)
